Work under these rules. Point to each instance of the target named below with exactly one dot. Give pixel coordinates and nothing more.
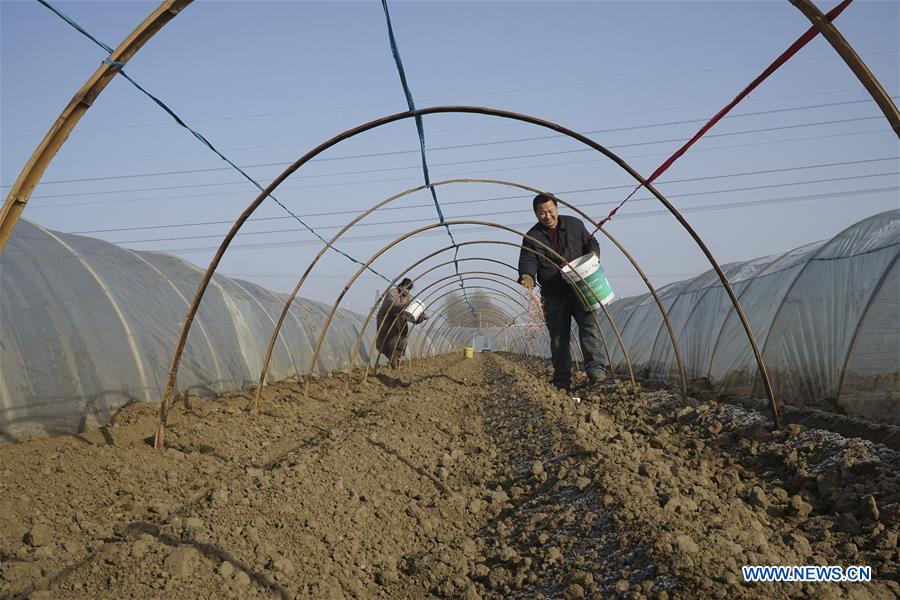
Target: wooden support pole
(70, 116)
(859, 68)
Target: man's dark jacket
(574, 240)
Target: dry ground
(453, 478)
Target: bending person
(568, 237)
(393, 331)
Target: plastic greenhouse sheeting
(826, 317)
(87, 326)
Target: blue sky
(266, 81)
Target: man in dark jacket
(569, 238)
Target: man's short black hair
(406, 283)
(543, 199)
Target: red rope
(783, 58)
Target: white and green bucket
(586, 275)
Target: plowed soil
(452, 478)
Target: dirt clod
(758, 497)
(869, 510)
(226, 570)
(181, 561)
(799, 507)
(241, 579)
(39, 535)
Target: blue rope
(420, 126)
(120, 68)
(420, 129)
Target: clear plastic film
(826, 317)
(87, 326)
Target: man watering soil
(393, 331)
(568, 237)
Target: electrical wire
(509, 197)
(507, 212)
(652, 213)
(387, 180)
(454, 147)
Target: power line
(509, 197)
(519, 196)
(508, 212)
(384, 135)
(830, 56)
(454, 147)
(662, 212)
(388, 180)
(593, 132)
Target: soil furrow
(451, 478)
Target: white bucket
(588, 276)
(413, 311)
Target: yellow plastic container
(470, 352)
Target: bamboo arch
(356, 347)
(442, 329)
(449, 331)
(446, 328)
(559, 259)
(840, 44)
(430, 302)
(59, 132)
(355, 352)
(159, 437)
(377, 206)
(53, 140)
(418, 351)
(469, 276)
(426, 272)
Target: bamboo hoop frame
(526, 351)
(159, 437)
(558, 257)
(379, 205)
(372, 352)
(456, 261)
(53, 140)
(469, 276)
(840, 44)
(448, 263)
(447, 329)
(496, 295)
(452, 262)
(378, 302)
(423, 296)
(511, 341)
(356, 348)
(355, 351)
(456, 336)
(418, 350)
(537, 338)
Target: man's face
(547, 214)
